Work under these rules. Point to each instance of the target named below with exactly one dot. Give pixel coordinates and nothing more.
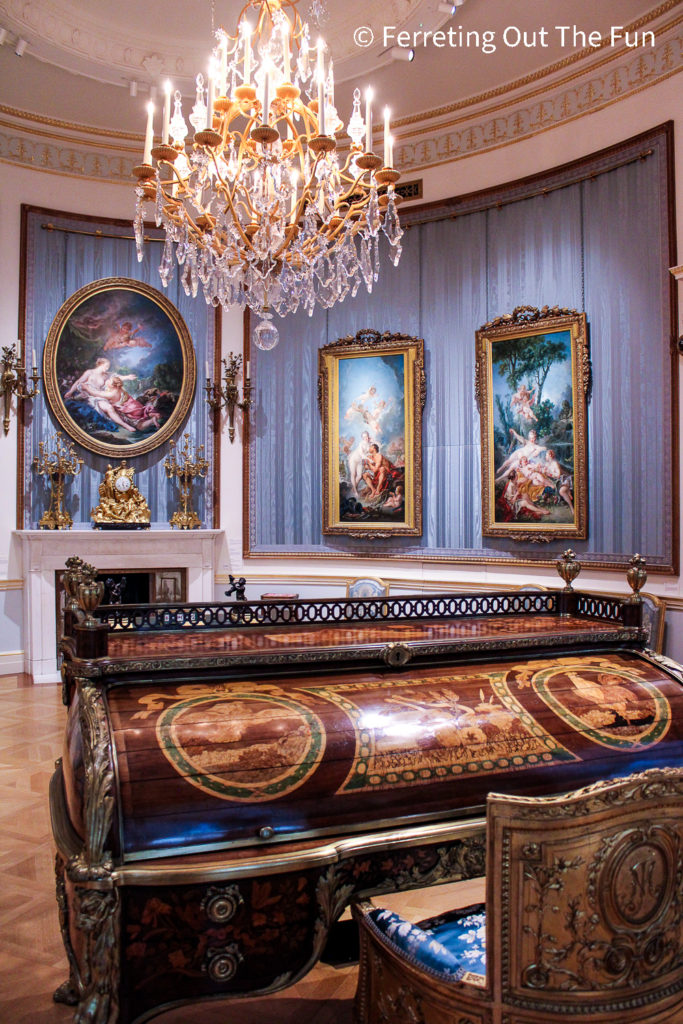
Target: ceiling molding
(55, 146)
(588, 93)
(73, 37)
(592, 55)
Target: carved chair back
(584, 917)
(585, 901)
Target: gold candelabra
(14, 381)
(56, 465)
(228, 393)
(186, 470)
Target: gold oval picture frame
(119, 367)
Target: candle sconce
(187, 470)
(14, 381)
(228, 393)
(56, 465)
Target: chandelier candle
(168, 89)
(261, 208)
(149, 136)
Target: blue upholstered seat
(463, 933)
(418, 944)
(450, 944)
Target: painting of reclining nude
(119, 367)
(372, 390)
(532, 383)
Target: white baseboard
(11, 663)
(49, 677)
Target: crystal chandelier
(260, 206)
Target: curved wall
(545, 149)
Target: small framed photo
(169, 586)
(532, 382)
(372, 392)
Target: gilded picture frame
(119, 367)
(372, 391)
(532, 384)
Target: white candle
(368, 120)
(330, 85)
(247, 370)
(265, 114)
(149, 134)
(321, 88)
(387, 138)
(211, 96)
(391, 151)
(168, 88)
(286, 57)
(207, 370)
(34, 358)
(224, 65)
(247, 52)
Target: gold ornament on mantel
(121, 504)
(188, 469)
(56, 464)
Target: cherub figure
(521, 403)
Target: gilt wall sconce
(677, 273)
(14, 381)
(227, 392)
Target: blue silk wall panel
(57, 264)
(599, 243)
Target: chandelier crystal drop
(258, 203)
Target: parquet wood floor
(32, 960)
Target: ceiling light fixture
(261, 208)
(450, 8)
(401, 53)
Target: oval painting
(119, 367)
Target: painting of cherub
(532, 380)
(119, 367)
(370, 477)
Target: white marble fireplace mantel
(43, 553)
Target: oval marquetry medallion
(606, 702)
(242, 746)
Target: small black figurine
(237, 587)
(115, 589)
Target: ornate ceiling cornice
(605, 83)
(69, 35)
(541, 74)
(486, 122)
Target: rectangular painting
(532, 381)
(372, 392)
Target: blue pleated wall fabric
(600, 245)
(57, 265)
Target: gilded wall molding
(546, 72)
(596, 79)
(527, 116)
(11, 584)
